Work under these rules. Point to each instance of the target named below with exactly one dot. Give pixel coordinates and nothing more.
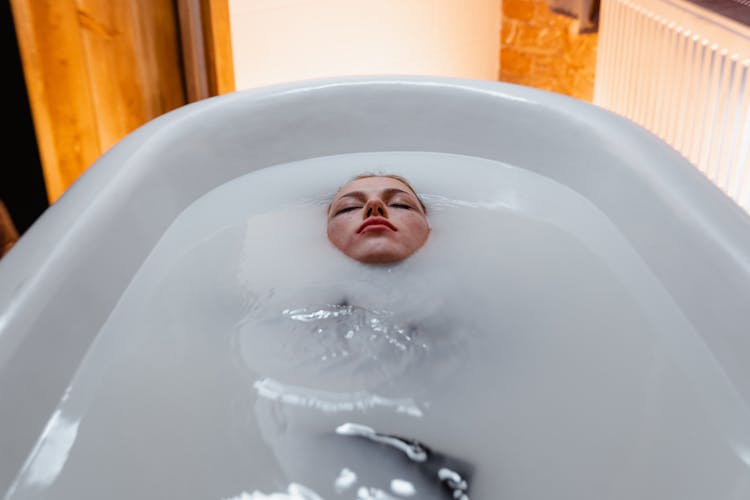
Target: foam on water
(526, 345)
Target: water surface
(527, 346)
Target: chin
(384, 257)
(380, 259)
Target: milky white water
(527, 344)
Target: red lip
(376, 221)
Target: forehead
(372, 185)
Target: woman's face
(377, 220)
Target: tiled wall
(542, 49)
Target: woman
(380, 219)
(377, 219)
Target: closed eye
(401, 205)
(346, 209)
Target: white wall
(277, 41)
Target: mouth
(376, 224)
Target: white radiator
(682, 72)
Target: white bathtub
(63, 278)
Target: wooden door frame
(206, 47)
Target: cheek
(417, 231)
(423, 233)
(338, 231)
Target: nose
(375, 208)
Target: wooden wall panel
(58, 87)
(95, 70)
